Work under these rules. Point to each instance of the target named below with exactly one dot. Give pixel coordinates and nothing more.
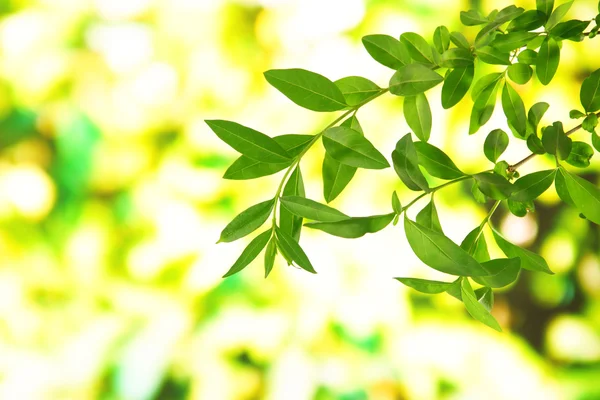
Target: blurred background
(111, 200)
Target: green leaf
(528, 21)
(557, 15)
(506, 14)
(354, 227)
(506, 271)
(247, 221)
(406, 164)
(472, 18)
(250, 253)
(418, 48)
(436, 162)
(249, 142)
(534, 116)
(511, 41)
(596, 141)
(555, 141)
(501, 168)
(520, 73)
(528, 57)
(288, 245)
(576, 114)
(485, 297)
(413, 79)
(520, 209)
(310, 209)
(357, 90)
(495, 144)
(529, 260)
(483, 107)
(589, 123)
(456, 85)
(547, 60)
(441, 39)
(475, 245)
(484, 83)
(590, 92)
(584, 194)
(387, 50)
(475, 308)
(459, 40)
(248, 168)
(270, 254)
(457, 57)
(491, 55)
(545, 6)
(477, 193)
(288, 222)
(580, 155)
(428, 217)
(535, 144)
(440, 253)
(351, 148)
(530, 187)
(536, 43)
(425, 286)
(570, 30)
(493, 185)
(418, 115)
(514, 109)
(560, 185)
(396, 205)
(307, 89)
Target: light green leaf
(491, 55)
(460, 40)
(413, 79)
(590, 123)
(249, 142)
(520, 209)
(484, 83)
(270, 254)
(534, 116)
(357, 90)
(530, 187)
(514, 109)
(472, 18)
(535, 144)
(483, 107)
(506, 271)
(387, 50)
(478, 194)
(428, 217)
(475, 308)
(560, 185)
(456, 85)
(441, 39)
(529, 260)
(418, 48)
(493, 185)
(406, 164)
(590, 92)
(511, 41)
(351, 148)
(475, 245)
(520, 73)
(436, 162)
(555, 141)
(440, 253)
(418, 115)
(596, 141)
(293, 250)
(584, 194)
(528, 57)
(396, 205)
(354, 227)
(506, 14)
(310, 209)
(457, 57)
(580, 155)
(250, 253)
(528, 21)
(558, 14)
(547, 60)
(495, 144)
(288, 222)
(570, 30)
(425, 286)
(247, 221)
(307, 89)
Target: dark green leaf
(580, 155)
(440, 253)
(555, 141)
(558, 14)
(514, 109)
(547, 60)
(459, 40)
(441, 39)
(248, 168)
(475, 308)
(506, 271)
(491, 55)
(406, 165)
(512, 41)
(456, 85)
(436, 162)
(506, 14)
(590, 92)
(495, 144)
(484, 83)
(357, 90)
(310, 209)
(249, 142)
(307, 89)
(529, 260)
(288, 222)
(530, 187)
(250, 253)
(520, 209)
(493, 185)
(425, 286)
(528, 57)
(528, 21)
(351, 148)
(475, 244)
(247, 221)
(288, 245)
(413, 79)
(570, 30)
(520, 73)
(418, 115)
(576, 114)
(584, 194)
(535, 144)
(418, 48)
(354, 227)
(457, 57)
(589, 123)
(428, 217)
(545, 6)
(387, 50)
(472, 18)
(270, 254)
(534, 116)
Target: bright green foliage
(514, 42)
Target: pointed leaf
(247, 221)
(545, 6)
(584, 194)
(511, 41)
(351, 148)
(418, 115)
(357, 90)
(428, 217)
(293, 250)
(310, 209)
(418, 48)
(475, 308)
(425, 286)
(529, 260)
(547, 60)
(506, 271)
(493, 185)
(354, 227)
(250, 253)
(590, 92)
(456, 85)
(475, 245)
(387, 50)
(406, 165)
(472, 18)
(514, 109)
(270, 254)
(530, 187)
(436, 162)
(288, 222)
(558, 14)
(528, 21)
(413, 79)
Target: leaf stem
(433, 190)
